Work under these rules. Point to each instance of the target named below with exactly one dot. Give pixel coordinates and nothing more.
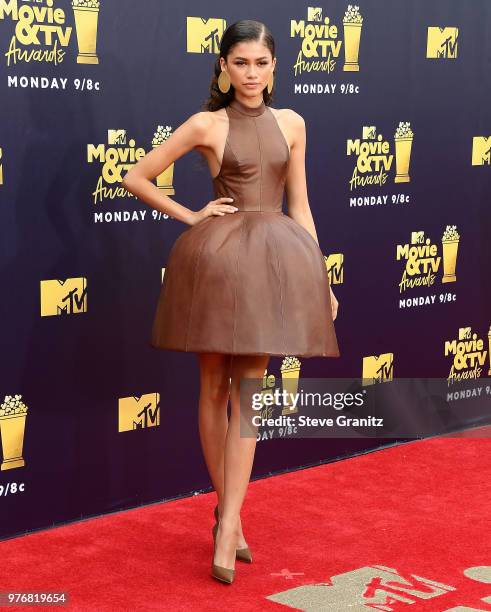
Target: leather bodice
(255, 159)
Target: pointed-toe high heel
(242, 554)
(224, 574)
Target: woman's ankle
(230, 523)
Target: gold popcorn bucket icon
(289, 379)
(86, 20)
(450, 248)
(403, 155)
(12, 433)
(352, 35)
(165, 178)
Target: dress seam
(260, 166)
(281, 292)
(237, 282)
(195, 275)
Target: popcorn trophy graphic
(86, 14)
(450, 245)
(13, 413)
(290, 369)
(404, 140)
(165, 178)
(489, 352)
(352, 23)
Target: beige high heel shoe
(224, 574)
(242, 554)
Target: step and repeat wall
(395, 95)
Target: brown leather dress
(254, 281)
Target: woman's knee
(215, 376)
(248, 366)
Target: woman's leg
(239, 457)
(212, 418)
(215, 374)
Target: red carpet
(406, 527)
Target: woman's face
(249, 65)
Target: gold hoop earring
(270, 82)
(224, 81)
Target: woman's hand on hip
(216, 207)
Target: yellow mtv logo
(369, 132)
(139, 412)
(465, 333)
(442, 42)
(116, 137)
(417, 237)
(63, 297)
(378, 368)
(204, 35)
(314, 13)
(335, 268)
(481, 150)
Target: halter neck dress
(254, 281)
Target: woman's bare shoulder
(201, 125)
(207, 119)
(205, 125)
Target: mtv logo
(314, 13)
(63, 297)
(417, 237)
(335, 268)
(204, 35)
(139, 412)
(481, 150)
(378, 368)
(442, 42)
(372, 587)
(369, 132)
(464, 333)
(116, 137)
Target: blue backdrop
(395, 96)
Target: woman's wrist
(190, 218)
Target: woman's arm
(296, 183)
(138, 180)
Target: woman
(245, 281)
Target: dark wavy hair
(240, 31)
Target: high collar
(252, 111)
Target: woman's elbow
(128, 181)
(125, 181)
